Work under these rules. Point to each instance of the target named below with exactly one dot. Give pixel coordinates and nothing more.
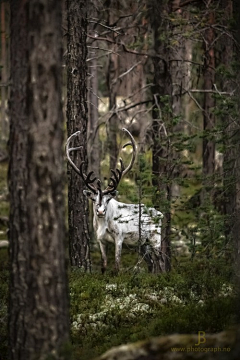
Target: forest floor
(109, 310)
(106, 311)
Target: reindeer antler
(86, 178)
(132, 142)
(118, 174)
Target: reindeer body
(118, 222)
(122, 221)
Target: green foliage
(107, 310)
(198, 295)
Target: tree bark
(226, 52)
(93, 138)
(208, 153)
(38, 320)
(113, 71)
(162, 91)
(236, 141)
(77, 120)
(4, 126)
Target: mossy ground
(109, 310)
(198, 296)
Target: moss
(130, 307)
(198, 296)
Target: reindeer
(117, 222)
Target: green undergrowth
(111, 310)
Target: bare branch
(105, 26)
(195, 100)
(136, 92)
(211, 91)
(185, 3)
(107, 39)
(125, 108)
(160, 117)
(126, 72)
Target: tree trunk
(180, 80)
(226, 52)
(77, 120)
(113, 70)
(4, 131)
(38, 320)
(161, 152)
(235, 156)
(208, 153)
(93, 138)
(93, 144)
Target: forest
(119, 179)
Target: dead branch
(126, 72)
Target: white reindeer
(118, 222)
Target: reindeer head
(101, 197)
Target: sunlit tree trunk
(132, 77)
(77, 120)
(38, 320)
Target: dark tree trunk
(77, 120)
(161, 152)
(93, 145)
(235, 139)
(226, 58)
(38, 321)
(4, 79)
(180, 80)
(208, 154)
(93, 138)
(113, 70)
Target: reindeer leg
(104, 256)
(156, 254)
(145, 251)
(158, 261)
(118, 251)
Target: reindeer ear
(88, 194)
